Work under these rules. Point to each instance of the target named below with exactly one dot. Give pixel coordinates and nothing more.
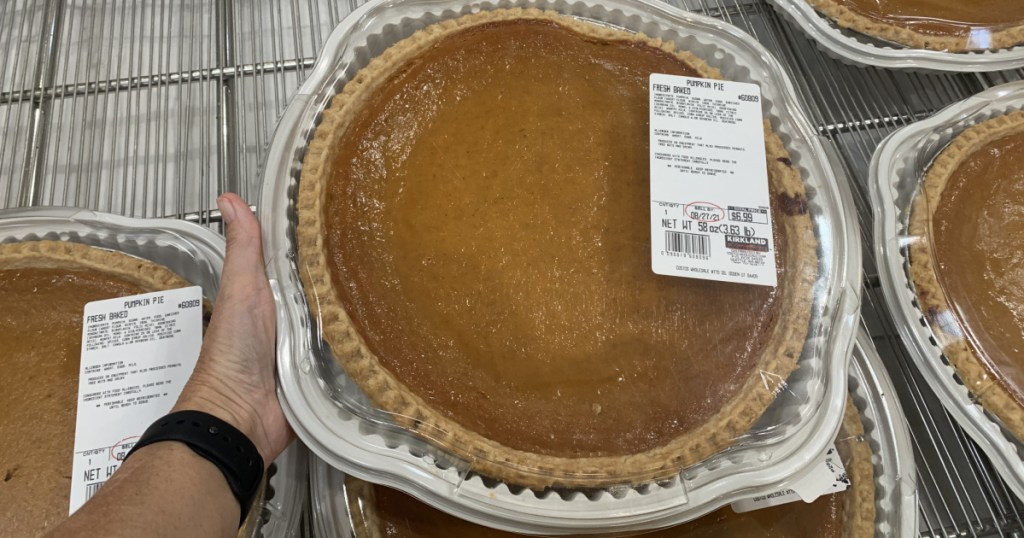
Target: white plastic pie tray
(863, 49)
(885, 430)
(314, 391)
(898, 166)
(197, 254)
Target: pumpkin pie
(44, 287)
(947, 25)
(966, 258)
(378, 511)
(473, 240)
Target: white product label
(710, 215)
(137, 354)
(826, 476)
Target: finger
(243, 263)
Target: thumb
(243, 263)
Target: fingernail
(227, 209)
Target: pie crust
(850, 19)
(77, 256)
(933, 301)
(858, 500)
(489, 457)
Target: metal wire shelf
(151, 108)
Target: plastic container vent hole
(566, 495)
(490, 483)
(594, 495)
(270, 492)
(516, 490)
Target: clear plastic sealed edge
(861, 36)
(196, 254)
(345, 506)
(957, 339)
(332, 414)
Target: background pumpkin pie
(946, 25)
(473, 240)
(44, 287)
(966, 258)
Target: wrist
(197, 397)
(217, 441)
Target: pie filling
(976, 229)
(974, 19)
(41, 338)
(487, 227)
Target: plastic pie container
(196, 254)
(862, 49)
(338, 422)
(897, 171)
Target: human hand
(234, 377)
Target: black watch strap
(217, 441)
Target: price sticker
(710, 213)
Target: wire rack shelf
(150, 108)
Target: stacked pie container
(871, 391)
(340, 424)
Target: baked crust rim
(79, 256)
(846, 18)
(485, 456)
(934, 304)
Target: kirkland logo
(759, 244)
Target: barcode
(689, 244)
(91, 489)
